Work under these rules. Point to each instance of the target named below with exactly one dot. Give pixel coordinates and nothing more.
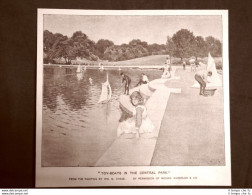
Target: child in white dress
(141, 123)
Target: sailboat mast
(109, 88)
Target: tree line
(183, 44)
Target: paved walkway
(192, 131)
(188, 128)
(133, 152)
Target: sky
(122, 29)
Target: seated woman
(144, 80)
(140, 123)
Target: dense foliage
(182, 44)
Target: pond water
(76, 129)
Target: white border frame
(59, 176)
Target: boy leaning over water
(201, 77)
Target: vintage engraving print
(132, 98)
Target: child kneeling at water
(141, 123)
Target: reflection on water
(76, 129)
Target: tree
(63, 48)
(200, 47)
(136, 48)
(135, 42)
(153, 48)
(183, 42)
(101, 47)
(48, 40)
(170, 46)
(79, 36)
(218, 48)
(83, 47)
(213, 46)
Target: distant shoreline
(105, 66)
(154, 60)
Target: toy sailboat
(106, 92)
(79, 69)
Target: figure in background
(184, 64)
(168, 62)
(101, 68)
(90, 80)
(193, 65)
(197, 64)
(166, 73)
(144, 80)
(127, 82)
(202, 78)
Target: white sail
(79, 70)
(215, 80)
(106, 92)
(79, 76)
